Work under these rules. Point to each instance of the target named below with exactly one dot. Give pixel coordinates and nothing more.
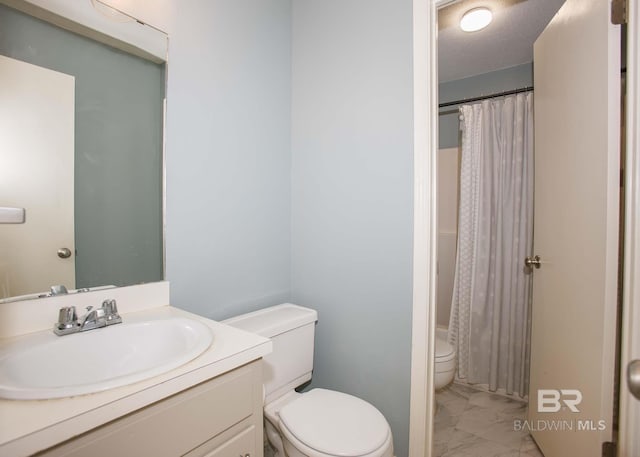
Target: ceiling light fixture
(476, 19)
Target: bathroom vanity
(220, 417)
(209, 406)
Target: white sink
(48, 366)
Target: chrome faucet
(94, 318)
(69, 322)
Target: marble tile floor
(472, 423)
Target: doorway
(431, 171)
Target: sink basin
(49, 366)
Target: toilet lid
(335, 423)
(444, 350)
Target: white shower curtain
(490, 311)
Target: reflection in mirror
(80, 117)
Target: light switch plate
(9, 215)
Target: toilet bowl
(320, 422)
(445, 360)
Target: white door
(577, 169)
(36, 173)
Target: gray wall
(229, 155)
(475, 86)
(118, 148)
(352, 196)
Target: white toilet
(318, 423)
(445, 360)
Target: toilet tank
(291, 329)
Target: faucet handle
(59, 289)
(67, 320)
(67, 315)
(110, 307)
(111, 312)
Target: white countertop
(29, 426)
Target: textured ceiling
(506, 42)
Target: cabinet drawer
(173, 426)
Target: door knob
(531, 262)
(64, 253)
(633, 378)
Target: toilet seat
(328, 423)
(302, 449)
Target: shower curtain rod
(484, 97)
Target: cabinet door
(241, 445)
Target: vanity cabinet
(221, 417)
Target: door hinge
(618, 12)
(608, 449)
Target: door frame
(425, 95)
(425, 92)
(628, 440)
(425, 222)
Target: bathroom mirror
(114, 165)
